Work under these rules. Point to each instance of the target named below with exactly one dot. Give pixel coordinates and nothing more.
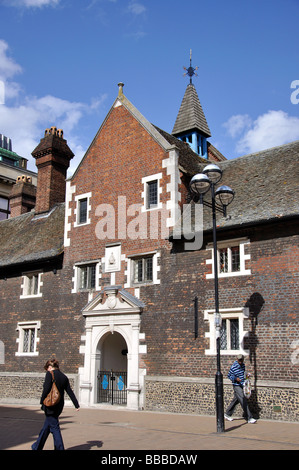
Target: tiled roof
(265, 184)
(191, 115)
(29, 238)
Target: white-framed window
(151, 192)
(142, 269)
(232, 331)
(28, 338)
(231, 258)
(82, 210)
(87, 276)
(31, 285)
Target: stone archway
(113, 311)
(113, 350)
(112, 375)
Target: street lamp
(221, 198)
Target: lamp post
(221, 198)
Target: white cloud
(268, 130)
(31, 3)
(136, 8)
(25, 118)
(237, 123)
(25, 124)
(8, 67)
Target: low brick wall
(25, 387)
(269, 400)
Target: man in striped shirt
(237, 376)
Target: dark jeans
(51, 425)
(239, 398)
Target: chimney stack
(22, 196)
(52, 157)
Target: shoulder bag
(53, 396)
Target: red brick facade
(167, 350)
(121, 154)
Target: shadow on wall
(255, 304)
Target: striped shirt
(237, 371)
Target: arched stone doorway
(112, 375)
(113, 350)
(112, 326)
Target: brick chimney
(22, 196)
(53, 157)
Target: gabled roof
(188, 159)
(191, 115)
(29, 238)
(150, 128)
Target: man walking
(237, 376)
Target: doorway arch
(112, 375)
(112, 326)
(113, 350)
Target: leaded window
(152, 194)
(87, 277)
(28, 338)
(229, 259)
(229, 335)
(143, 270)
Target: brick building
(13, 168)
(105, 275)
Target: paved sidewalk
(105, 429)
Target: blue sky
(61, 61)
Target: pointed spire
(191, 115)
(191, 125)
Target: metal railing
(112, 387)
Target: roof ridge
(266, 150)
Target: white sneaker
(229, 418)
(252, 421)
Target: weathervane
(190, 71)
